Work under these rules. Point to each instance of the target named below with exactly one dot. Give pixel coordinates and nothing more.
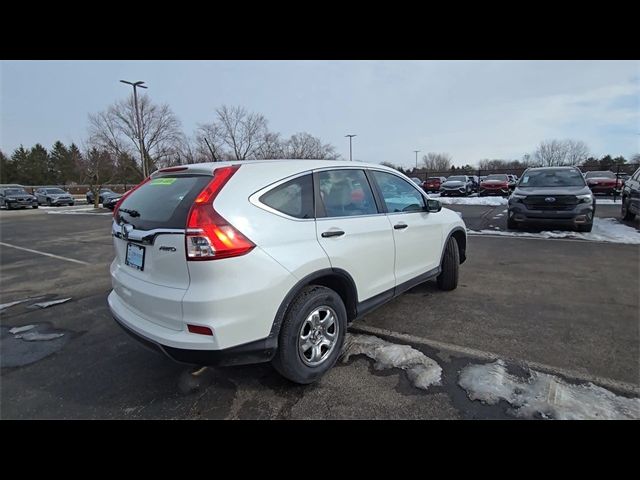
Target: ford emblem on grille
(550, 199)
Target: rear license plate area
(135, 256)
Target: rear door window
(163, 202)
(345, 193)
(293, 198)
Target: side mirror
(433, 206)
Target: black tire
(34, 206)
(626, 214)
(586, 227)
(288, 361)
(448, 278)
(48, 202)
(512, 224)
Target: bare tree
(116, 130)
(98, 169)
(306, 146)
(242, 132)
(437, 162)
(272, 147)
(553, 153)
(577, 152)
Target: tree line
(549, 153)
(120, 149)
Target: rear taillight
(209, 236)
(117, 207)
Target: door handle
(332, 233)
(400, 226)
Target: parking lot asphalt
(570, 307)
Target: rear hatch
(150, 272)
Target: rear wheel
(312, 335)
(48, 202)
(448, 278)
(626, 214)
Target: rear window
(163, 202)
(503, 178)
(293, 198)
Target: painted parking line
(66, 259)
(628, 388)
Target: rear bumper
(255, 352)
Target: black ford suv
(631, 197)
(554, 196)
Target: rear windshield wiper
(133, 213)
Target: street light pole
(416, 152)
(350, 150)
(135, 101)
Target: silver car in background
(53, 196)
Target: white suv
(244, 262)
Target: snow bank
(546, 395)
(488, 201)
(421, 370)
(604, 230)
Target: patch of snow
(546, 395)
(39, 337)
(52, 302)
(11, 304)
(604, 230)
(607, 201)
(488, 201)
(15, 330)
(79, 211)
(421, 370)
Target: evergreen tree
(75, 172)
(7, 169)
(57, 161)
(37, 162)
(20, 161)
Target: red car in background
(432, 184)
(604, 182)
(496, 184)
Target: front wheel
(312, 335)
(448, 278)
(512, 224)
(585, 228)
(35, 205)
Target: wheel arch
(336, 279)
(460, 235)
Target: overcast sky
(470, 109)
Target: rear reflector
(209, 235)
(200, 330)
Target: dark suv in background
(631, 197)
(553, 196)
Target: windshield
(552, 178)
(55, 190)
(502, 178)
(600, 175)
(15, 191)
(458, 178)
